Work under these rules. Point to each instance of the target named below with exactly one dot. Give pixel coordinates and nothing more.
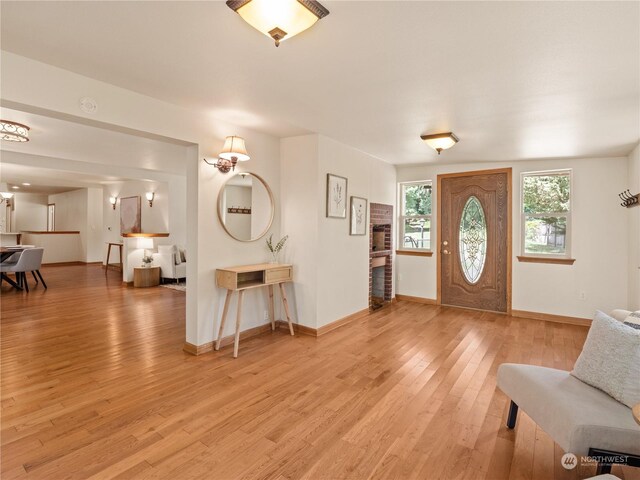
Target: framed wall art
(130, 217)
(336, 196)
(358, 216)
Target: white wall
(633, 184)
(153, 219)
(300, 215)
(343, 259)
(598, 238)
(331, 267)
(30, 212)
(81, 210)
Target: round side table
(146, 276)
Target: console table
(239, 279)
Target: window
(415, 216)
(546, 213)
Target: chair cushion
(633, 320)
(576, 415)
(181, 271)
(610, 359)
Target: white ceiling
(73, 141)
(514, 80)
(49, 181)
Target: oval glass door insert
(473, 239)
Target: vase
(274, 257)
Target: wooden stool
(118, 266)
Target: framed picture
(358, 216)
(336, 196)
(130, 218)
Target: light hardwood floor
(95, 384)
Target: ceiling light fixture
(233, 151)
(15, 187)
(13, 131)
(26, 184)
(440, 141)
(279, 19)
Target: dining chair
(30, 261)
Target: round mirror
(245, 207)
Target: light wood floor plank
(95, 385)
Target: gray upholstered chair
(581, 419)
(30, 261)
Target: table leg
(11, 282)
(238, 318)
(286, 307)
(223, 320)
(106, 265)
(272, 309)
(120, 253)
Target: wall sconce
(113, 201)
(233, 151)
(5, 194)
(150, 196)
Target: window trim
(568, 214)
(402, 250)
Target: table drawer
(277, 275)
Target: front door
(474, 218)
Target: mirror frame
(273, 208)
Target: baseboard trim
(197, 349)
(329, 327)
(301, 329)
(280, 324)
(548, 317)
(409, 298)
(228, 340)
(68, 264)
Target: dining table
(6, 252)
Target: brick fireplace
(380, 258)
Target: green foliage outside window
(417, 200)
(546, 194)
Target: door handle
(446, 252)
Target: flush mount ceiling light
(279, 19)
(440, 141)
(233, 151)
(13, 132)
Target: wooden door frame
(509, 172)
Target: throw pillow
(183, 255)
(633, 320)
(177, 258)
(610, 359)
